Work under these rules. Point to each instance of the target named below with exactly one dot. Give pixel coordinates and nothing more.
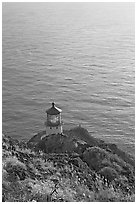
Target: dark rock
(36, 138)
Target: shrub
(109, 173)
(14, 168)
(116, 159)
(117, 167)
(107, 195)
(94, 157)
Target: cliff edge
(68, 167)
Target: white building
(53, 122)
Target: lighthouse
(53, 122)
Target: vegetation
(93, 175)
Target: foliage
(39, 177)
(95, 157)
(109, 173)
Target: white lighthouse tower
(53, 123)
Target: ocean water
(80, 55)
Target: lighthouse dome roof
(53, 110)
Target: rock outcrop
(76, 140)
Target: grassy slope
(97, 174)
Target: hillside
(71, 167)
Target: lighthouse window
(53, 119)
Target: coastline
(72, 167)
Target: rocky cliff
(72, 166)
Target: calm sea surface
(81, 55)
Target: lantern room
(53, 123)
